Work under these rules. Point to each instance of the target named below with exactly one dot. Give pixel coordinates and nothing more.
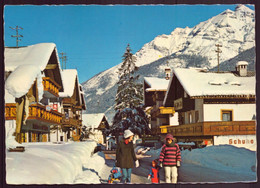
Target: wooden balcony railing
(51, 86)
(71, 122)
(214, 128)
(10, 111)
(36, 111)
(69, 101)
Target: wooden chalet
(73, 103)
(154, 93)
(95, 124)
(214, 107)
(32, 80)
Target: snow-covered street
(75, 163)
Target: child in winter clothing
(170, 158)
(116, 174)
(154, 172)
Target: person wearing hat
(170, 158)
(125, 156)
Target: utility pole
(218, 52)
(17, 35)
(63, 59)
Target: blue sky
(94, 37)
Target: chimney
(167, 73)
(241, 68)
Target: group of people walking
(170, 158)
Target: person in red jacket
(170, 158)
(154, 172)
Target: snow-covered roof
(92, 120)
(38, 54)
(156, 84)
(21, 79)
(200, 83)
(241, 63)
(27, 64)
(69, 79)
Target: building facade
(214, 107)
(32, 80)
(160, 117)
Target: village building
(95, 124)
(160, 117)
(214, 107)
(32, 81)
(73, 103)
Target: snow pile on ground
(225, 157)
(48, 163)
(10, 141)
(232, 164)
(91, 169)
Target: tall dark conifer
(128, 103)
(129, 92)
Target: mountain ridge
(184, 47)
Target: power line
(218, 52)
(63, 59)
(17, 36)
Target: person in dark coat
(170, 158)
(125, 156)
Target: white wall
(241, 112)
(97, 136)
(246, 141)
(53, 136)
(174, 119)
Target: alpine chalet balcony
(214, 128)
(36, 112)
(51, 88)
(68, 122)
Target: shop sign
(247, 141)
(163, 130)
(55, 107)
(48, 108)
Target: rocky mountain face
(184, 47)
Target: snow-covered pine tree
(129, 92)
(129, 109)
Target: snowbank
(234, 164)
(91, 170)
(225, 157)
(48, 163)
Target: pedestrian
(170, 159)
(154, 172)
(125, 156)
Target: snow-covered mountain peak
(234, 30)
(243, 8)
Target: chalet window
(190, 117)
(226, 115)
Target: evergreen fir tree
(129, 92)
(129, 109)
